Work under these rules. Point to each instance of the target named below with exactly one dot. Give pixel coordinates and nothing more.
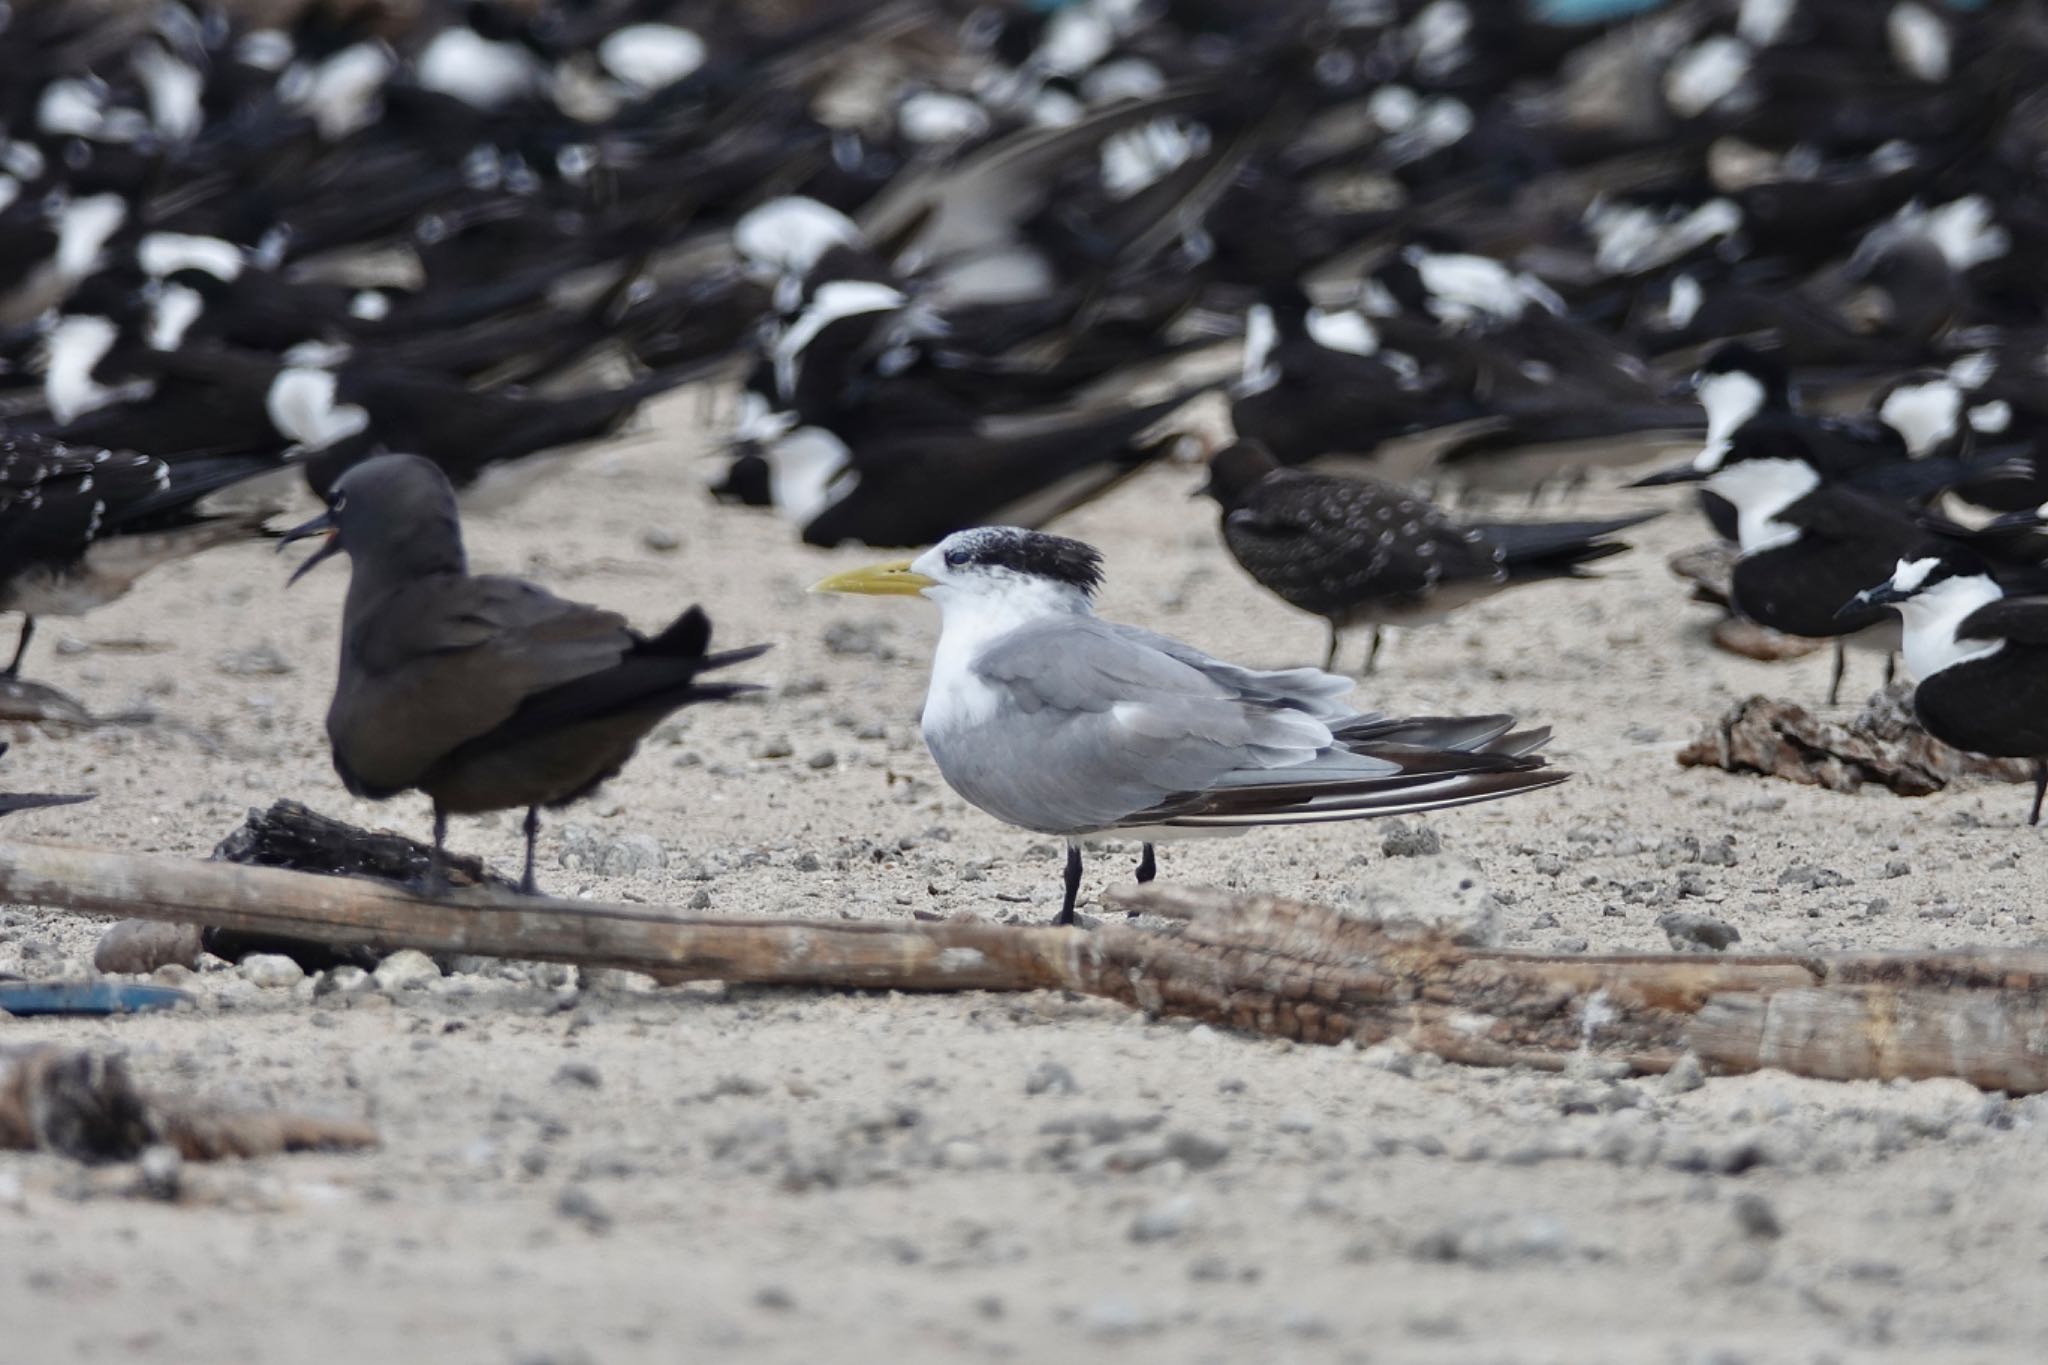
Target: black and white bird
(1054, 720)
(1361, 552)
(1978, 657)
(78, 525)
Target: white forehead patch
(1705, 74)
(1911, 573)
(787, 236)
(1684, 302)
(651, 56)
(1991, 418)
(1918, 40)
(165, 253)
(1924, 415)
(1342, 329)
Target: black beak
(1683, 473)
(1883, 595)
(324, 524)
(1679, 390)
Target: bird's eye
(955, 558)
(340, 501)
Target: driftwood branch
(1255, 963)
(1881, 744)
(85, 1105)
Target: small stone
(661, 539)
(408, 969)
(1164, 1221)
(344, 981)
(581, 1074)
(630, 854)
(257, 661)
(1686, 1075)
(271, 971)
(579, 1204)
(821, 760)
(1897, 867)
(701, 900)
(776, 747)
(1399, 839)
(141, 946)
(1497, 1240)
(1755, 1216)
(1196, 1151)
(1811, 877)
(774, 1298)
(1051, 1076)
(1692, 932)
(162, 1172)
(808, 862)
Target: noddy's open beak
(1681, 473)
(324, 524)
(1883, 595)
(894, 579)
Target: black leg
(437, 862)
(1372, 651)
(28, 629)
(1891, 667)
(1067, 915)
(1330, 659)
(1148, 866)
(2040, 789)
(526, 883)
(1835, 682)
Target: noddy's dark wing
(444, 660)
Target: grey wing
(1310, 690)
(1094, 724)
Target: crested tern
(1054, 720)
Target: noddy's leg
(437, 861)
(1372, 652)
(1330, 659)
(1841, 662)
(1067, 915)
(526, 883)
(28, 629)
(2040, 789)
(1891, 667)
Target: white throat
(1929, 640)
(301, 405)
(1761, 491)
(1261, 339)
(1730, 399)
(1924, 415)
(76, 346)
(809, 470)
(973, 616)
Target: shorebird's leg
(28, 629)
(1835, 681)
(437, 862)
(2040, 789)
(526, 882)
(1067, 915)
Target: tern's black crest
(1028, 552)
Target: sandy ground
(595, 1171)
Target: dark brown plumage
(485, 692)
(1356, 551)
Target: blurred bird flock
(954, 265)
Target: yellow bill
(893, 579)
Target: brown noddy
(485, 692)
